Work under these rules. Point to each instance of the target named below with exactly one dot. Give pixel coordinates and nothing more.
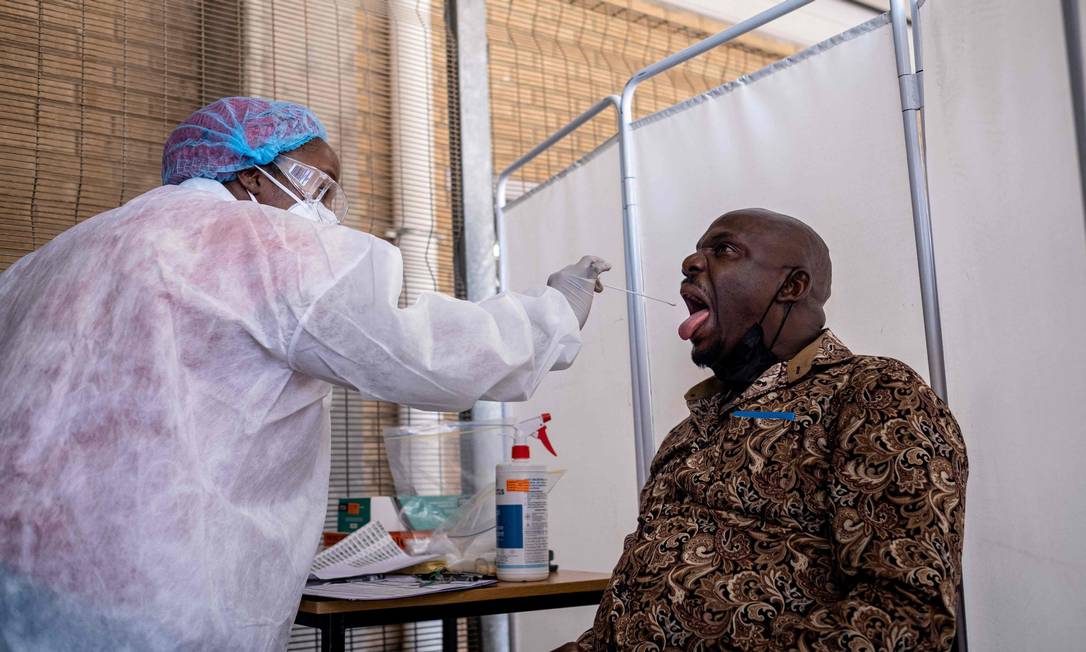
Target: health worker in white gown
(165, 379)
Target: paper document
(368, 550)
(387, 588)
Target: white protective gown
(164, 410)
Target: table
(565, 588)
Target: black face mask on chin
(748, 359)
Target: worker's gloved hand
(578, 282)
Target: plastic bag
(444, 476)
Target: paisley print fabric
(841, 530)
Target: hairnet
(233, 134)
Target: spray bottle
(521, 497)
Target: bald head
(755, 266)
(785, 241)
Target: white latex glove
(578, 282)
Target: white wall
(1011, 255)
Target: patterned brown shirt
(840, 530)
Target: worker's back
(163, 472)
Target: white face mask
(312, 211)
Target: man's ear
(796, 288)
(250, 180)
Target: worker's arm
(898, 493)
(438, 353)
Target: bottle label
(510, 530)
(524, 485)
(522, 522)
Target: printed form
(368, 550)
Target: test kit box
(355, 512)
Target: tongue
(693, 323)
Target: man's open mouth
(698, 305)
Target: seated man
(838, 530)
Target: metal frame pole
(918, 48)
(918, 64)
(470, 108)
(911, 86)
(1078, 86)
(911, 104)
(644, 440)
(467, 20)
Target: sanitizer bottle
(521, 497)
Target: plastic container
(445, 479)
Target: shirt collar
(825, 350)
(208, 185)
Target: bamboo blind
(87, 97)
(90, 90)
(552, 59)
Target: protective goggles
(314, 185)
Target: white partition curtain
(595, 504)
(1011, 248)
(817, 136)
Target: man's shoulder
(890, 382)
(864, 373)
(883, 389)
(866, 365)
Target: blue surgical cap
(233, 134)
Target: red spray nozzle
(542, 434)
(534, 427)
